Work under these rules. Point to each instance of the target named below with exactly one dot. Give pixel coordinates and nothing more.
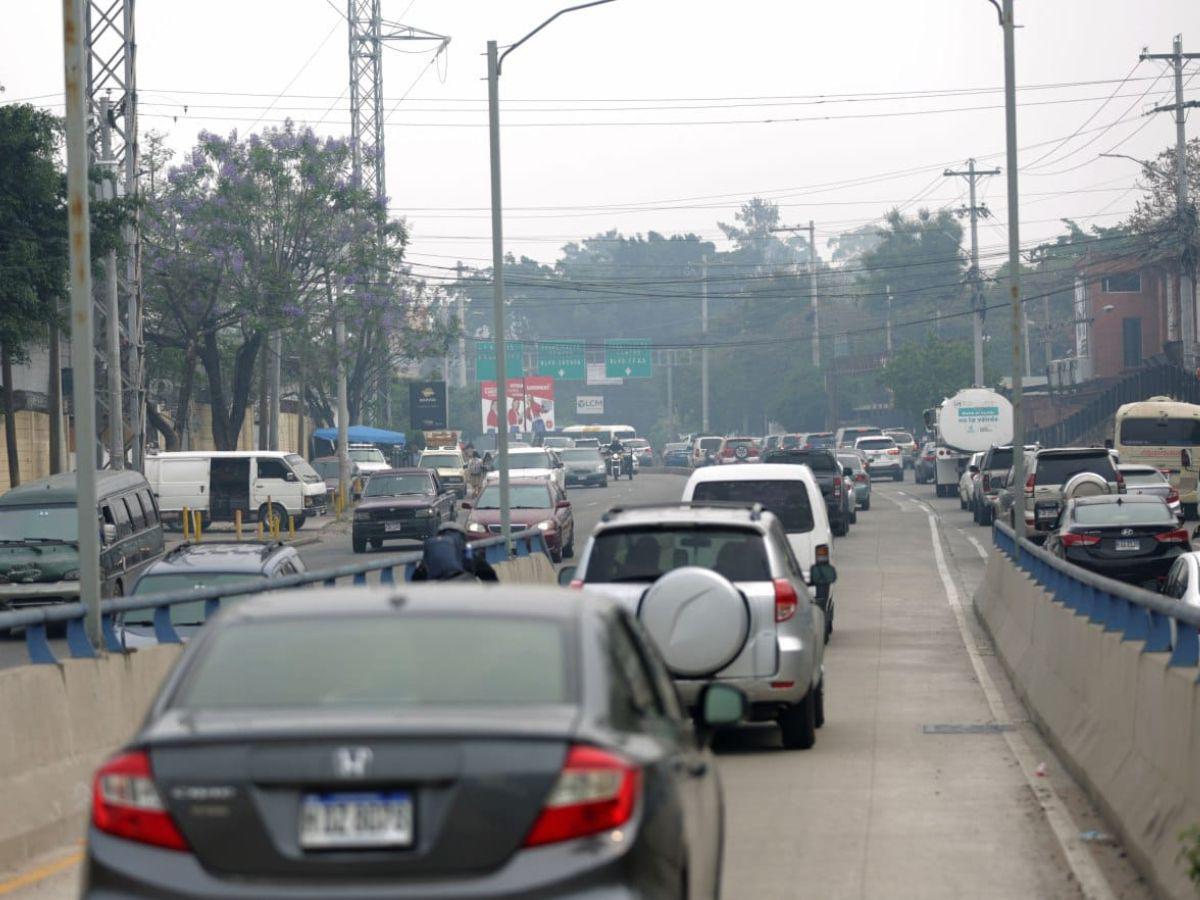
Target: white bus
(1163, 433)
(603, 433)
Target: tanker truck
(972, 420)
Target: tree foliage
(921, 375)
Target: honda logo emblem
(352, 762)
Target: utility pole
(704, 343)
(888, 291)
(107, 190)
(1183, 211)
(975, 210)
(670, 400)
(343, 405)
(275, 372)
(461, 302)
(812, 290)
(75, 53)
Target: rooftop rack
(755, 509)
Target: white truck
(972, 420)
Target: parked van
(221, 482)
(39, 537)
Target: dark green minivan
(39, 547)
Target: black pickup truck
(828, 472)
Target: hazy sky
(695, 62)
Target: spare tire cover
(699, 620)
(1085, 484)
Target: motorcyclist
(448, 557)
(616, 448)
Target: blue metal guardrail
(1162, 624)
(35, 619)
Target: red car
(738, 450)
(533, 503)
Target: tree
(33, 252)
(922, 375)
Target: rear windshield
(1001, 459)
(584, 454)
(1124, 514)
(395, 662)
(1143, 478)
(191, 613)
(852, 434)
(853, 463)
(440, 461)
(902, 437)
(823, 440)
(395, 485)
(1160, 432)
(788, 499)
(643, 554)
(818, 462)
(882, 443)
(710, 443)
(1058, 468)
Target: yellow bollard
(197, 522)
(291, 528)
(259, 532)
(237, 524)
(186, 515)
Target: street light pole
(494, 63)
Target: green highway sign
(627, 358)
(485, 360)
(562, 359)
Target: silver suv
(724, 597)
(1061, 474)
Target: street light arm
(1145, 164)
(561, 12)
(999, 12)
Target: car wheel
(556, 555)
(359, 545)
(866, 504)
(798, 724)
(819, 717)
(839, 528)
(569, 550)
(854, 516)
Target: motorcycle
(614, 466)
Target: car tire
(377, 543)
(866, 504)
(819, 717)
(962, 504)
(569, 550)
(798, 724)
(604, 483)
(359, 545)
(839, 527)
(854, 515)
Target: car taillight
(837, 487)
(1029, 485)
(986, 481)
(1078, 540)
(1120, 483)
(1172, 496)
(576, 583)
(596, 791)
(1177, 536)
(861, 477)
(126, 803)
(786, 600)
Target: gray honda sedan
(415, 742)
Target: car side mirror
(110, 533)
(1185, 458)
(563, 504)
(566, 575)
(290, 476)
(719, 705)
(823, 573)
(974, 470)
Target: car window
(787, 498)
(1057, 468)
(999, 458)
(120, 517)
(134, 508)
(645, 553)
(876, 443)
(1143, 477)
(1123, 513)
(148, 506)
(1177, 580)
(633, 692)
(269, 467)
(1160, 432)
(818, 461)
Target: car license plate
(1047, 512)
(1128, 544)
(393, 526)
(364, 819)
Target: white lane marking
(1091, 881)
(975, 543)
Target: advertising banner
(589, 406)
(530, 405)
(539, 404)
(427, 405)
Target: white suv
(790, 492)
(724, 598)
(883, 456)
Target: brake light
(1120, 483)
(986, 481)
(1177, 536)
(1172, 496)
(1080, 540)
(861, 477)
(786, 600)
(126, 803)
(1029, 485)
(837, 486)
(596, 791)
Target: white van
(218, 483)
(791, 492)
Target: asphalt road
(903, 795)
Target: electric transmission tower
(112, 106)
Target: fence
(36, 619)
(1163, 379)
(1162, 624)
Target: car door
(271, 481)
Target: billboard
(530, 404)
(427, 405)
(596, 375)
(589, 406)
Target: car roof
(682, 513)
(63, 488)
(408, 470)
(217, 556)
(518, 601)
(752, 472)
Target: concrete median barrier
(1125, 723)
(60, 722)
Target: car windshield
(581, 455)
(1143, 477)
(787, 498)
(27, 523)
(367, 455)
(1123, 513)
(529, 459)
(395, 485)
(1160, 432)
(851, 462)
(643, 554)
(390, 662)
(815, 460)
(882, 443)
(1057, 468)
(440, 461)
(301, 467)
(1001, 458)
(191, 613)
(327, 468)
(901, 437)
(520, 496)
